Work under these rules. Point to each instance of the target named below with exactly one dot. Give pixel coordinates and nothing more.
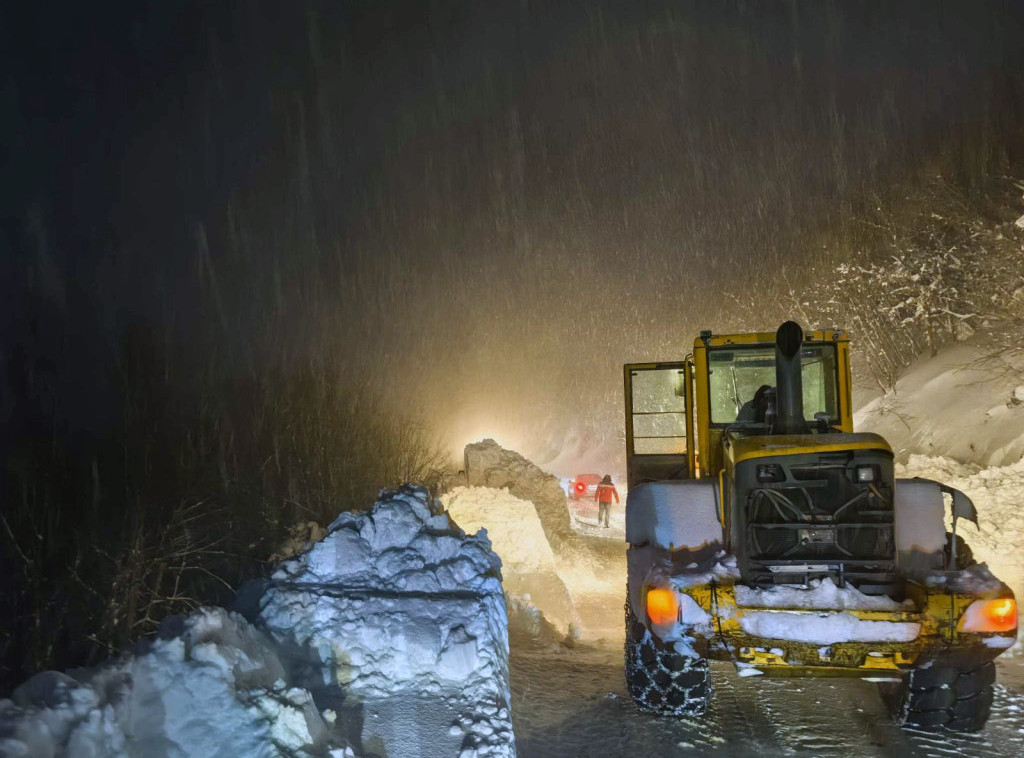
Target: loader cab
(678, 413)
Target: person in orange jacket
(603, 497)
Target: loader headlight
(999, 615)
(865, 474)
(662, 606)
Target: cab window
(659, 417)
(736, 373)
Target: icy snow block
(673, 515)
(393, 602)
(213, 688)
(920, 527)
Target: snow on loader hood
(396, 615)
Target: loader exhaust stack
(788, 380)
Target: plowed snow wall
(490, 465)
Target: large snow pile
(387, 637)
(210, 684)
(488, 464)
(516, 534)
(965, 403)
(513, 527)
(593, 570)
(394, 605)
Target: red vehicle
(584, 486)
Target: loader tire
(661, 680)
(945, 698)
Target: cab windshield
(736, 373)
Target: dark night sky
(445, 189)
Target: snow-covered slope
(966, 403)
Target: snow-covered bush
(923, 272)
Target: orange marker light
(1002, 613)
(662, 606)
(999, 615)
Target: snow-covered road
(574, 702)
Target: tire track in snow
(574, 702)
(741, 720)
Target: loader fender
(675, 515)
(920, 529)
(670, 526)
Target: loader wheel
(659, 679)
(945, 698)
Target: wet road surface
(573, 702)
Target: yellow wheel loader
(764, 531)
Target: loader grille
(817, 521)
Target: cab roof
(708, 339)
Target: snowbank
(388, 637)
(513, 527)
(966, 403)
(394, 605)
(213, 685)
(490, 465)
(593, 570)
(530, 572)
